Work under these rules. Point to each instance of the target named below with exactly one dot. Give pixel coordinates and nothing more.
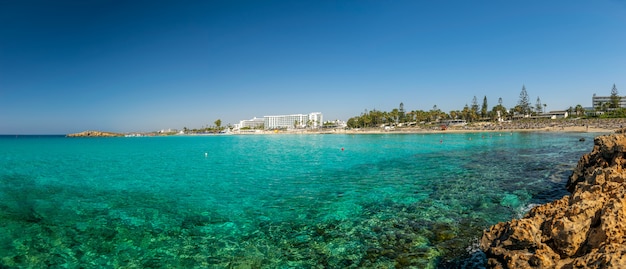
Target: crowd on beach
(594, 124)
(577, 125)
(557, 125)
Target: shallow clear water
(271, 201)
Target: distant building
(166, 131)
(293, 121)
(335, 124)
(598, 101)
(559, 114)
(592, 112)
(254, 123)
(454, 122)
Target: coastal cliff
(94, 134)
(586, 229)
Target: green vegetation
(217, 128)
(523, 105)
(615, 98)
(475, 113)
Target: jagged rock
(94, 134)
(586, 229)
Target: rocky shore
(586, 229)
(94, 134)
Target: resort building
(600, 101)
(170, 130)
(454, 122)
(254, 123)
(335, 124)
(559, 114)
(294, 121)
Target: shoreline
(569, 129)
(567, 126)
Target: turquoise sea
(271, 201)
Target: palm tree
(499, 108)
(218, 123)
(367, 120)
(393, 116)
(579, 110)
(605, 106)
(352, 122)
(466, 113)
(409, 116)
(454, 114)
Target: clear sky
(69, 66)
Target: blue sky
(69, 66)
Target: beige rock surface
(586, 229)
(94, 134)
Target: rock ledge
(586, 229)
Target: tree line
(207, 129)
(477, 112)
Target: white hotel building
(597, 101)
(293, 121)
(252, 123)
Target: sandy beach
(573, 125)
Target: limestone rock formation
(586, 229)
(94, 134)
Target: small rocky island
(94, 134)
(586, 229)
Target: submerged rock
(586, 229)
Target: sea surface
(271, 201)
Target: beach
(565, 125)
